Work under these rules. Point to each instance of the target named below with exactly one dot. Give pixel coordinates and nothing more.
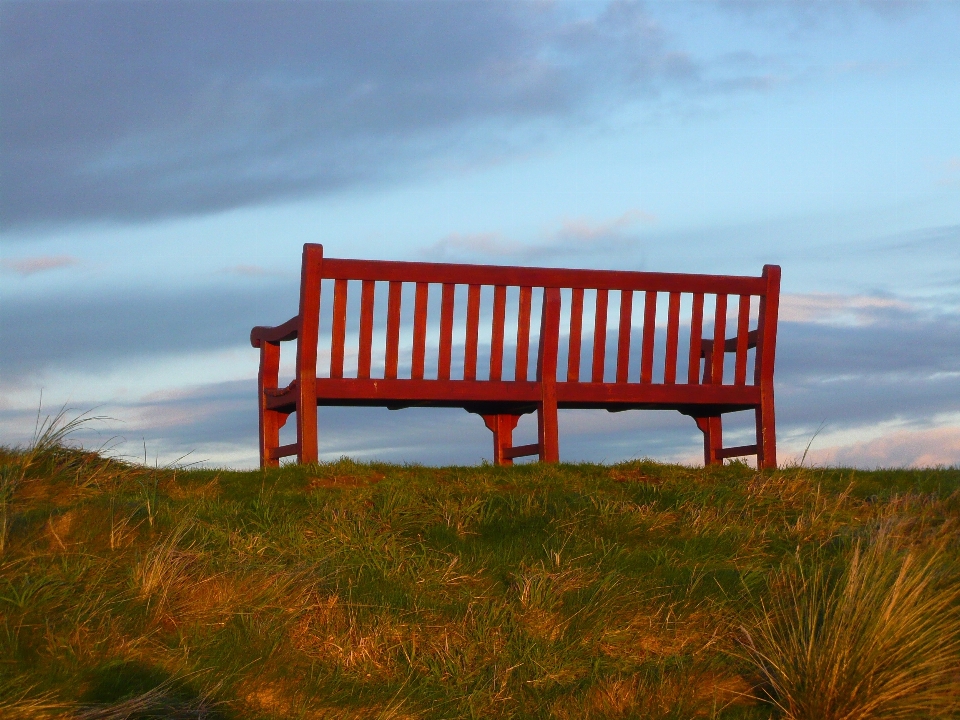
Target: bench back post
(763, 378)
(307, 338)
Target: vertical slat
(623, 339)
(338, 333)
(743, 328)
(473, 328)
(696, 337)
(673, 339)
(719, 340)
(446, 331)
(576, 328)
(649, 333)
(523, 335)
(393, 330)
(419, 330)
(599, 337)
(366, 328)
(496, 332)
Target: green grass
(378, 591)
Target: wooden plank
(521, 451)
(696, 336)
(446, 331)
(738, 451)
(419, 330)
(496, 332)
(719, 341)
(599, 337)
(284, 451)
(473, 329)
(649, 333)
(623, 338)
(367, 288)
(540, 277)
(455, 393)
(393, 329)
(523, 335)
(576, 327)
(743, 332)
(338, 333)
(673, 339)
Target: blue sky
(163, 163)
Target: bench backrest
(472, 322)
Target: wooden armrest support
(729, 345)
(280, 333)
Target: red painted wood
(311, 271)
(521, 451)
(743, 340)
(502, 426)
(673, 339)
(283, 451)
(392, 353)
(766, 351)
(473, 329)
(738, 451)
(338, 333)
(696, 336)
(379, 391)
(523, 335)
(540, 277)
(269, 419)
(547, 427)
(446, 331)
(623, 337)
(367, 288)
(649, 333)
(496, 332)
(719, 335)
(505, 401)
(419, 330)
(280, 333)
(599, 337)
(576, 326)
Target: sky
(163, 163)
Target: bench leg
(270, 420)
(502, 427)
(712, 429)
(766, 433)
(547, 429)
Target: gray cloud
(124, 111)
(100, 330)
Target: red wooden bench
(721, 386)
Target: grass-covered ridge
(377, 591)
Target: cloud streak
(129, 112)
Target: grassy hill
(378, 591)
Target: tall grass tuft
(878, 638)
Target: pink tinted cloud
(900, 448)
(838, 309)
(42, 263)
(573, 235)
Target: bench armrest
(280, 333)
(729, 345)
